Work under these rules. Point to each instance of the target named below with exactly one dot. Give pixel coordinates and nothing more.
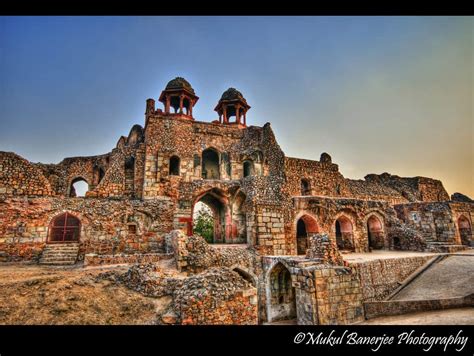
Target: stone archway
(375, 232)
(78, 187)
(210, 164)
(344, 232)
(281, 294)
(465, 231)
(228, 215)
(64, 228)
(305, 226)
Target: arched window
(248, 168)
(305, 226)
(344, 233)
(210, 164)
(282, 294)
(64, 228)
(174, 166)
(78, 188)
(375, 233)
(305, 187)
(465, 231)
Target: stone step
(60, 254)
(58, 260)
(58, 263)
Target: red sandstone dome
(179, 83)
(232, 94)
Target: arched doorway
(375, 233)
(465, 231)
(64, 228)
(226, 217)
(248, 168)
(79, 187)
(305, 226)
(210, 164)
(305, 187)
(344, 233)
(282, 298)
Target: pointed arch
(465, 230)
(210, 163)
(375, 231)
(64, 227)
(306, 224)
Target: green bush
(204, 224)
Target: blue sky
(380, 94)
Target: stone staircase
(60, 254)
(444, 247)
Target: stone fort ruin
(281, 223)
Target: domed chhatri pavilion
(291, 215)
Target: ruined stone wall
(436, 222)
(325, 212)
(379, 278)
(373, 190)
(413, 189)
(338, 296)
(216, 296)
(323, 178)
(229, 300)
(63, 174)
(20, 177)
(105, 224)
(194, 254)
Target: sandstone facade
(270, 205)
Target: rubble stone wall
(20, 177)
(381, 277)
(105, 224)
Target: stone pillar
(181, 98)
(224, 108)
(191, 104)
(237, 113)
(245, 118)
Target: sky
(379, 94)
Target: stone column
(181, 98)
(237, 113)
(224, 108)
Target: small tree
(203, 223)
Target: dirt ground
(32, 294)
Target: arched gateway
(64, 228)
(228, 216)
